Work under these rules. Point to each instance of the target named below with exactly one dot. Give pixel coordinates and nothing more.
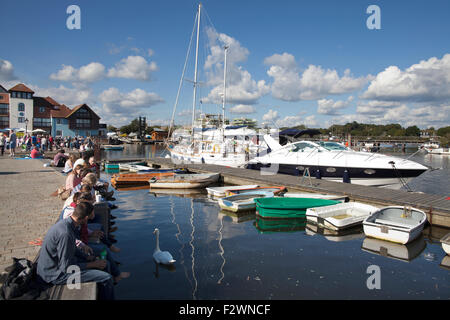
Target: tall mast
(196, 67)
(224, 85)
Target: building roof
(21, 88)
(2, 89)
(79, 107)
(62, 112)
(52, 101)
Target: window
(42, 122)
(21, 107)
(83, 123)
(41, 109)
(58, 132)
(29, 95)
(4, 121)
(21, 119)
(4, 108)
(58, 121)
(13, 94)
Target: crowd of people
(78, 239)
(37, 144)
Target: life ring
(216, 148)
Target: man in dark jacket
(61, 262)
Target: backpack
(20, 281)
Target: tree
(412, 131)
(111, 128)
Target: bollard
(346, 177)
(318, 174)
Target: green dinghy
(288, 208)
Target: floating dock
(437, 207)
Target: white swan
(163, 257)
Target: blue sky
(290, 62)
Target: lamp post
(26, 125)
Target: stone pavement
(27, 209)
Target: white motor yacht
(333, 161)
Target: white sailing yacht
(215, 142)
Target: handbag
(63, 193)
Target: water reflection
(333, 235)
(279, 225)
(393, 250)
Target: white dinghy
(243, 202)
(316, 196)
(219, 192)
(395, 223)
(340, 216)
(184, 181)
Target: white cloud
(290, 84)
(331, 107)
(133, 67)
(296, 120)
(270, 116)
(241, 88)
(119, 105)
(91, 72)
(242, 109)
(6, 71)
(427, 81)
(68, 96)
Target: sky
(290, 62)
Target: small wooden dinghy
(288, 208)
(276, 190)
(112, 147)
(340, 216)
(316, 196)
(219, 192)
(395, 223)
(184, 181)
(446, 243)
(135, 179)
(242, 202)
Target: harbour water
(224, 257)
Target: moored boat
(340, 216)
(112, 147)
(219, 192)
(276, 190)
(243, 202)
(395, 223)
(288, 208)
(184, 181)
(446, 243)
(135, 179)
(316, 196)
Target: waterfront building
(21, 107)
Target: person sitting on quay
(69, 165)
(74, 178)
(90, 241)
(60, 159)
(35, 154)
(59, 256)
